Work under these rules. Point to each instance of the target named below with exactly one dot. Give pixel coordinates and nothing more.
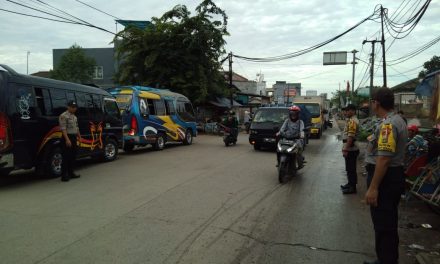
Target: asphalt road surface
(203, 203)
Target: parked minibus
(30, 135)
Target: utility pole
(373, 42)
(230, 79)
(27, 62)
(354, 68)
(384, 64)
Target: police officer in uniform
(386, 181)
(69, 127)
(350, 151)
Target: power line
(97, 9)
(415, 52)
(45, 18)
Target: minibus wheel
(54, 164)
(160, 142)
(188, 138)
(110, 150)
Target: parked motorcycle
(290, 159)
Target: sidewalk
(417, 244)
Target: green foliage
(74, 66)
(430, 66)
(179, 52)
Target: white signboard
(335, 58)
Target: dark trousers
(350, 167)
(385, 215)
(69, 154)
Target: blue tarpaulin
(426, 86)
(137, 23)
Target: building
(244, 85)
(284, 92)
(311, 93)
(106, 64)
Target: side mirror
(145, 116)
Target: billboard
(290, 92)
(335, 58)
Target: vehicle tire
(54, 163)
(128, 147)
(257, 147)
(160, 142)
(282, 173)
(188, 140)
(110, 150)
(226, 144)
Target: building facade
(284, 92)
(106, 64)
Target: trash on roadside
(313, 248)
(415, 246)
(427, 226)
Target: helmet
(294, 108)
(413, 128)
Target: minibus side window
(97, 107)
(71, 97)
(171, 110)
(83, 110)
(185, 111)
(111, 108)
(151, 108)
(44, 102)
(59, 101)
(160, 107)
(143, 107)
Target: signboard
(290, 92)
(335, 58)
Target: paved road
(203, 203)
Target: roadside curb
(425, 258)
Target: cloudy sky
(258, 28)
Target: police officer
(69, 127)
(386, 181)
(350, 150)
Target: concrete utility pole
(373, 42)
(384, 64)
(354, 69)
(27, 62)
(230, 79)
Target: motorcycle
(290, 160)
(229, 137)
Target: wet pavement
(203, 203)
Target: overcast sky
(258, 28)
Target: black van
(268, 121)
(29, 131)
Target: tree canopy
(430, 66)
(179, 51)
(74, 66)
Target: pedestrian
(350, 150)
(69, 127)
(386, 180)
(247, 121)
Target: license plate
(269, 140)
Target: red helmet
(294, 108)
(413, 128)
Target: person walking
(350, 150)
(386, 180)
(69, 127)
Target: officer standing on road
(69, 127)
(350, 150)
(386, 181)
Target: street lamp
(27, 62)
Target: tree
(74, 66)
(430, 66)
(178, 51)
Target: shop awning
(224, 102)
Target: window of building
(98, 72)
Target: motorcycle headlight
(279, 147)
(292, 148)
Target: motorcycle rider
(293, 128)
(231, 122)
